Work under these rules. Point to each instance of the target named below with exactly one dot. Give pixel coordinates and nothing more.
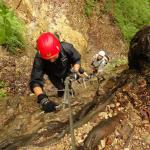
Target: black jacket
(60, 68)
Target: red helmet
(48, 45)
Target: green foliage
(130, 15)
(2, 90)
(89, 5)
(2, 93)
(115, 63)
(2, 84)
(11, 29)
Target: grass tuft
(89, 6)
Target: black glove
(47, 106)
(81, 70)
(74, 76)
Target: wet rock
(139, 52)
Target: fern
(11, 30)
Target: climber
(57, 60)
(99, 61)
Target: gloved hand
(81, 70)
(74, 76)
(47, 106)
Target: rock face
(42, 16)
(22, 122)
(139, 52)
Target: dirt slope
(21, 119)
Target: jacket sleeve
(37, 73)
(73, 55)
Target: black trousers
(58, 83)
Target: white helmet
(102, 53)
